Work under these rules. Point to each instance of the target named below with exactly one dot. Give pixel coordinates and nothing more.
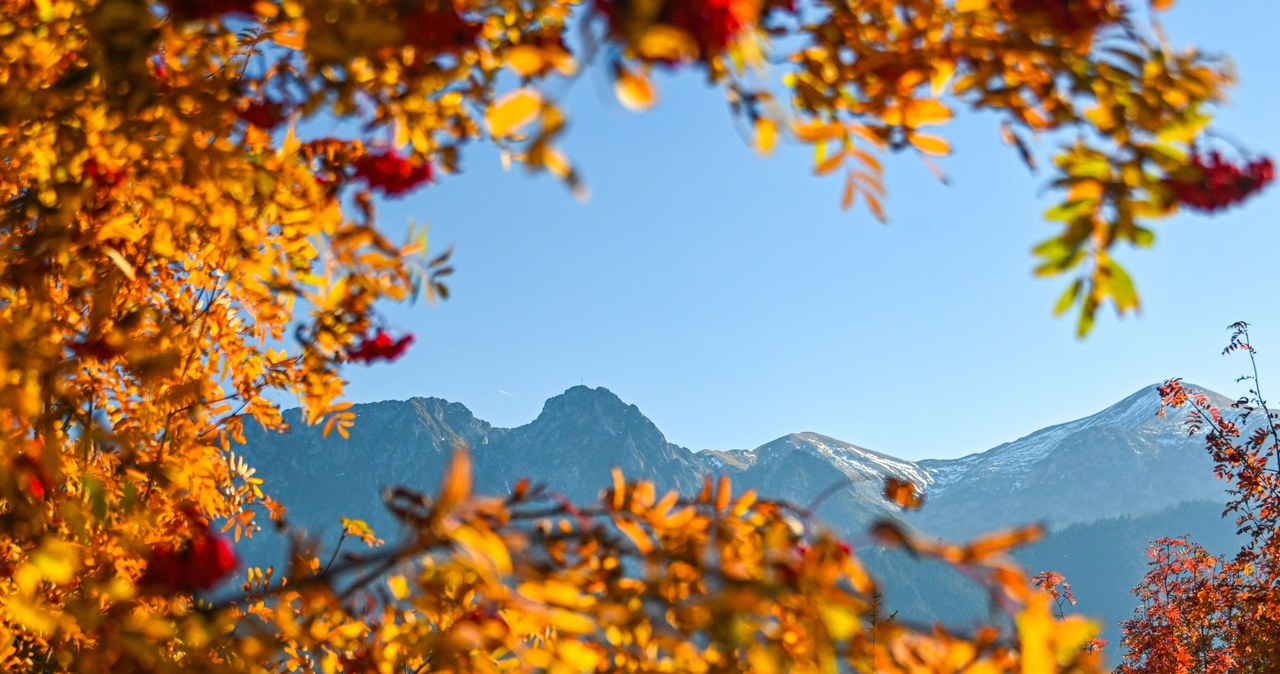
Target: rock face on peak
(581, 435)
(572, 447)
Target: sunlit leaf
(513, 112)
(634, 89)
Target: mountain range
(1123, 469)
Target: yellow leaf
(557, 593)
(577, 655)
(1071, 635)
(484, 547)
(1035, 633)
(942, 73)
(526, 60)
(360, 529)
(634, 90)
(513, 112)
(55, 561)
(399, 586)
(766, 135)
(761, 661)
(841, 621)
(972, 5)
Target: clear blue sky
(731, 300)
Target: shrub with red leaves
(1215, 184)
(206, 560)
(391, 173)
(263, 114)
(381, 347)
(200, 10)
(442, 30)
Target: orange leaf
(903, 492)
(456, 485)
(1002, 541)
(634, 90)
(928, 144)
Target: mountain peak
(579, 400)
(582, 411)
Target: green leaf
(1088, 316)
(1143, 237)
(1072, 210)
(94, 490)
(1068, 298)
(1183, 130)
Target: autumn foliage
(180, 250)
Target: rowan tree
(178, 253)
(1201, 612)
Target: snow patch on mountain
(854, 461)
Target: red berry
(1214, 184)
(440, 31)
(381, 347)
(263, 114)
(391, 173)
(196, 10)
(206, 560)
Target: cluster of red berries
(1066, 16)
(712, 24)
(380, 347)
(1215, 184)
(391, 173)
(265, 115)
(198, 10)
(442, 30)
(206, 560)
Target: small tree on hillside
(1206, 613)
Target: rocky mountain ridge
(1123, 460)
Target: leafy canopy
(176, 256)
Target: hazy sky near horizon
(731, 299)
